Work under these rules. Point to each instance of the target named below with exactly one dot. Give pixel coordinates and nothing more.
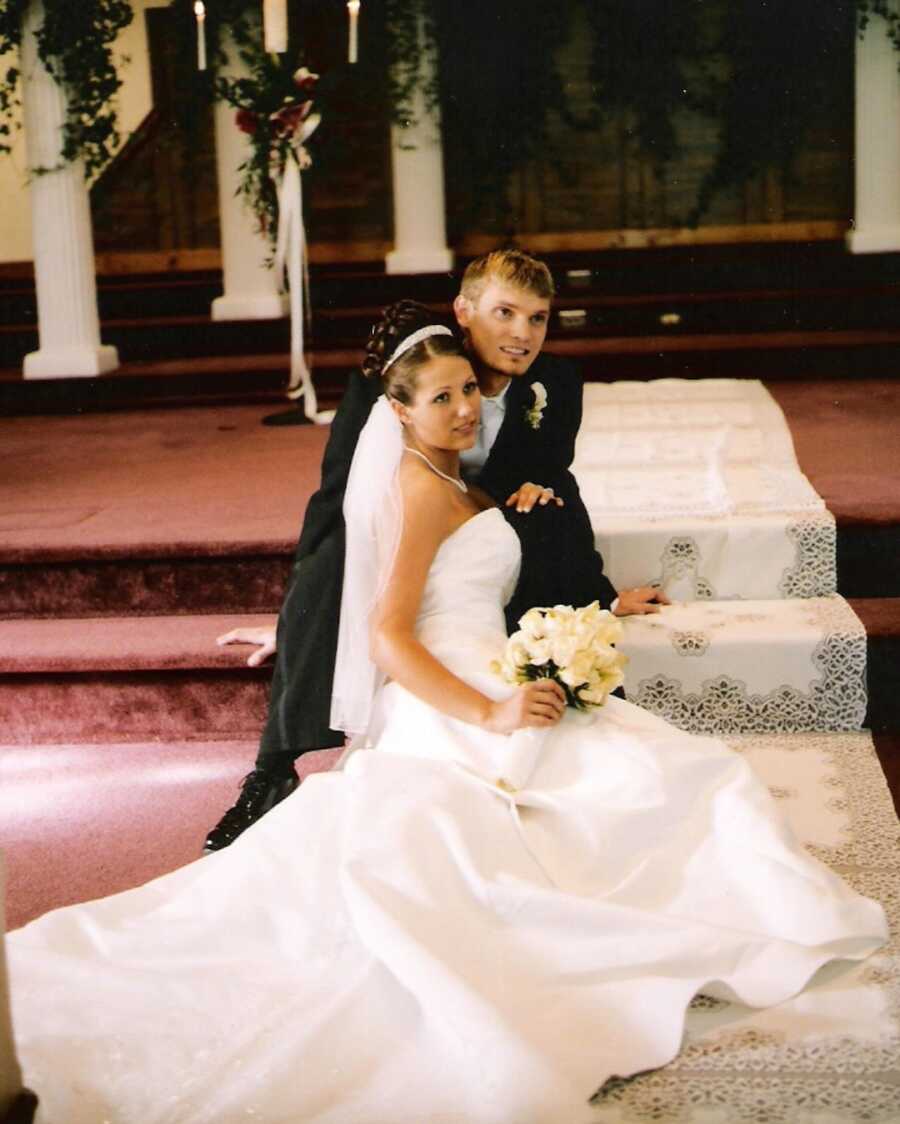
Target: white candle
(275, 25)
(200, 13)
(353, 9)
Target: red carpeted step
(124, 679)
(134, 679)
(122, 644)
(847, 439)
(152, 512)
(197, 510)
(117, 586)
(179, 382)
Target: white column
(68, 324)
(876, 227)
(417, 158)
(251, 287)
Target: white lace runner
(709, 463)
(832, 1054)
(750, 666)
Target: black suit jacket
(559, 563)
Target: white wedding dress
(408, 940)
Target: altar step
(200, 375)
(170, 578)
(192, 579)
(203, 578)
(165, 678)
(803, 310)
(730, 323)
(128, 679)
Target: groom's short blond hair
(508, 267)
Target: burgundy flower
(246, 120)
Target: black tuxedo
(559, 562)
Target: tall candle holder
(353, 43)
(275, 26)
(200, 15)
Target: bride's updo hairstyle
(398, 322)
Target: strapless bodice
(472, 577)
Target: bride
(488, 911)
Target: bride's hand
(541, 703)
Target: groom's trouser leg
(300, 697)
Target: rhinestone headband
(422, 334)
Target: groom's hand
(524, 498)
(646, 599)
(264, 638)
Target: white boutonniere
(535, 414)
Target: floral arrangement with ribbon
(279, 155)
(574, 647)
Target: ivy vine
(74, 44)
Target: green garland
(74, 44)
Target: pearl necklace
(461, 484)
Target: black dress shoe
(260, 792)
(22, 1109)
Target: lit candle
(353, 9)
(275, 25)
(200, 13)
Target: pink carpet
(847, 438)
(202, 480)
(80, 822)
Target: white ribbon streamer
(291, 261)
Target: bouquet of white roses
(575, 647)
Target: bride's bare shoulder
(427, 501)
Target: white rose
(588, 613)
(518, 651)
(532, 624)
(564, 647)
(540, 395)
(604, 658)
(578, 670)
(608, 628)
(539, 652)
(583, 632)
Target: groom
(531, 411)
